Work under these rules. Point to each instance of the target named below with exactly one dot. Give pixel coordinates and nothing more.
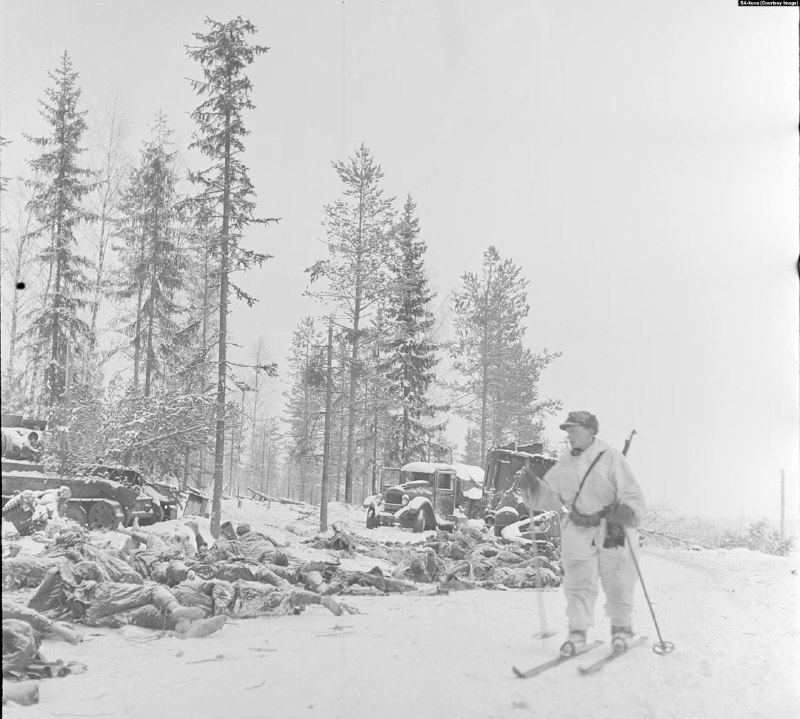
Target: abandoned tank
(96, 496)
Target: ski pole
(544, 632)
(662, 647)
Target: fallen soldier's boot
(331, 605)
(187, 613)
(576, 642)
(66, 633)
(199, 627)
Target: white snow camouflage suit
(582, 554)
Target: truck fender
(414, 506)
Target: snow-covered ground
(732, 615)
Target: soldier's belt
(586, 520)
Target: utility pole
(783, 505)
(263, 442)
(326, 451)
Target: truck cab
(430, 496)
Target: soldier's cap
(581, 419)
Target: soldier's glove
(621, 515)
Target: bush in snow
(760, 537)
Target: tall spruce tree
(357, 227)
(224, 54)
(150, 255)
(59, 189)
(410, 354)
(499, 375)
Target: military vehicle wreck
(431, 495)
(96, 496)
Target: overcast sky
(639, 160)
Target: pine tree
(150, 255)
(498, 375)
(224, 54)
(411, 355)
(59, 188)
(357, 228)
(305, 399)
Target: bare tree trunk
(374, 484)
(485, 360)
(230, 460)
(186, 461)
(206, 283)
(137, 339)
(351, 402)
(219, 445)
(354, 367)
(340, 452)
(326, 451)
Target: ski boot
(576, 642)
(620, 638)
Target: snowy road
(732, 616)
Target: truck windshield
(417, 477)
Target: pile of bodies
(178, 583)
(463, 559)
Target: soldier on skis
(594, 485)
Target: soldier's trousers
(587, 565)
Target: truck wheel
(419, 521)
(372, 519)
(76, 513)
(102, 516)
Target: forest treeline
(118, 283)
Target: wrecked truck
(431, 495)
(502, 495)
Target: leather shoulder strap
(588, 472)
